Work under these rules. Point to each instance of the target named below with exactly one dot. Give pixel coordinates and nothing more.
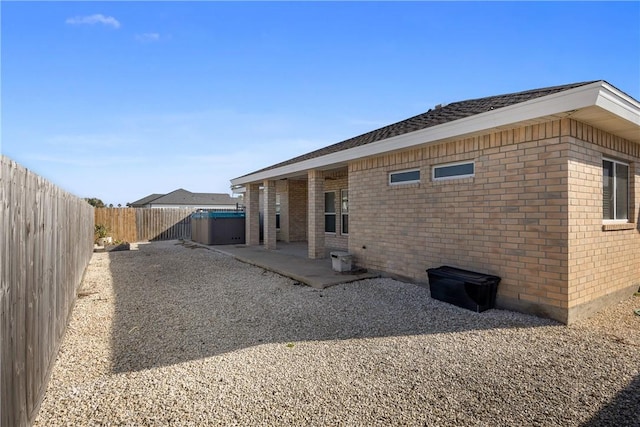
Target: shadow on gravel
(175, 306)
(623, 410)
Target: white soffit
(614, 109)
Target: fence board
(145, 224)
(121, 222)
(46, 242)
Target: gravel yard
(169, 335)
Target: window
(404, 177)
(615, 190)
(454, 171)
(344, 210)
(277, 212)
(330, 212)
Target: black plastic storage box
(466, 289)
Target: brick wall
(269, 214)
(252, 216)
(604, 262)
(293, 210)
(297, 210)
(282, 189)
(315, 214)
(511, 219)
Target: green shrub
(100, 231)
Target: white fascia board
(619, 103)
(565, 101)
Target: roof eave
(619, 103)
(558, 105)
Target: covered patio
(290, 260)
(308, 209)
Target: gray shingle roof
(145, 200)
(184, 197)
(433, 117)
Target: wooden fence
(46, 243)
(145, 224)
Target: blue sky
(118, 100)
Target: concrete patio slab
(290, 260)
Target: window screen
(344, 210)
(459, 170)
(615, 190)
(404, 177)
(330, 212)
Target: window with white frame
(409, 176)
(344, 211)
(330, 212)
(454, 171)
(615, 190)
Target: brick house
(541, 188)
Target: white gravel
(168, 335)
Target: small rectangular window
(454, 171)
(344, 210)
(615, 190)
(404, 177)
(330, 212)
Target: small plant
(100, 231)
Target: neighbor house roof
(145, 200)
(187, 198)
(465, 118)
(184, 197)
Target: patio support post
(252, 215)
(269, 219)
(285, 232)
(315, 224)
